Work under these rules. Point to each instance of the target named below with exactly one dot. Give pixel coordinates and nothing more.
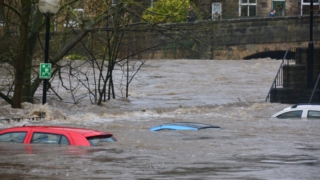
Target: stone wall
(295, 88)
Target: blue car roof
(182, 126)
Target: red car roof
(74, 136)
(85, 132)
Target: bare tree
(115, 38)
(24, 21)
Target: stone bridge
(261, 37)
(267, 37)
(222, 39)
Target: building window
(247, 8)
(216, 10)
(305, 6)
(75, 18)
(75, 14)
(279, 6)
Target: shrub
(166, 11)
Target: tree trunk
(36, 23)
(22, 52)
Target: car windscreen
(100, 140)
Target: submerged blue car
(182, 126)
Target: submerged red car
(55, 135)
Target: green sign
(45, 71)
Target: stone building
(226, 9)
(262, 8)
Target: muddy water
(229, 94)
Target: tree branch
(6, 98)
(12, 8)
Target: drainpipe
(310, 50)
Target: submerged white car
(300, 111)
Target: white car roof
(299, 107)
(305, 106)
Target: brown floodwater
(229, 94)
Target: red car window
(47, 138)
(15, 137)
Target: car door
(304, 113)
(48, 136)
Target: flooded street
(229, 94)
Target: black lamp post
(310, 50)
(47, 7)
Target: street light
(310, 50)
(47, 7)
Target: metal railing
(315, 89)
(278, 80)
